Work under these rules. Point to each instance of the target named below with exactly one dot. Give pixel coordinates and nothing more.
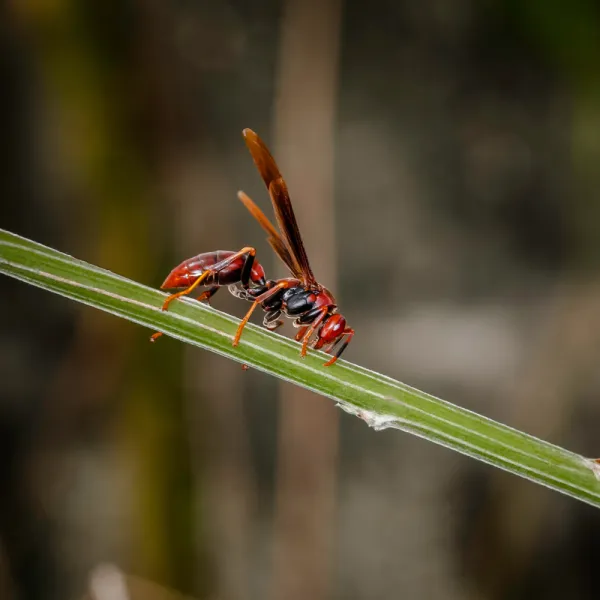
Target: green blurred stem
(378, 400)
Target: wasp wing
(282, 205)
(277, 243)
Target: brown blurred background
(444, 161)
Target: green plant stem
(379, 400)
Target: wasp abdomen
(228, 269)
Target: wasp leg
(208, 294)
(311, 330)
(301, 333)
(247, 268)
(350, 333)
(187, 290)
(272, 320)
(204, 296)
(282, 285)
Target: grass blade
(377, 399)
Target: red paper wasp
(299, 297)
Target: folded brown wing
(282, 205)
(277, 243)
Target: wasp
(300, 297)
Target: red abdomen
(189, 270)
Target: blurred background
(443, 159)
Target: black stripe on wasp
(299, 297)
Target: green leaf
(377, 399)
